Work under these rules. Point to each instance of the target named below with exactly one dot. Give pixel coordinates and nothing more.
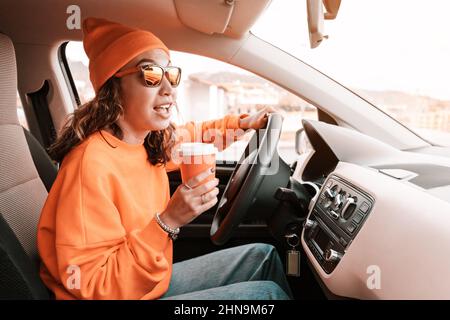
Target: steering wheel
(245, 181)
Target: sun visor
(228, 17)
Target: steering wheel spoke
(243, 187)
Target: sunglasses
(153, 74)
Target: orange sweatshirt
(97, 236)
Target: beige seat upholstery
(22, 193)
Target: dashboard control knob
(334, 214)
(330, 193)
(337, 202)
(326, 203)
(349, 208)
(332, 255)
(308, 224)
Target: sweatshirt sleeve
(96, 257)
(222, 132)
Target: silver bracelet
(173, 233)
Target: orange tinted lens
(153, 75)
(174, 75)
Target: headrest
(8, 82)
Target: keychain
(292, 256)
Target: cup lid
(197, 148)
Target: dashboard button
(334, 214)
(309, 224)
(358, 218)
(338, 201)
(351, 228)
(343, 242)
(349, 207)
(364, 207)
(332, 255)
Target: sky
(380, 45)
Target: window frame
(67, 73)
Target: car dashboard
(375, 230)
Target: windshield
(395, 54)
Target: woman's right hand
(187, 204)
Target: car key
(292, 256)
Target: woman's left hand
(257, 120)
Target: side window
(210, 89)
(79, 68)
(21, 113)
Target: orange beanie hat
(110, 45)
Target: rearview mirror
(316, 17)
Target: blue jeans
(248, 272)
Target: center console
(336, 218)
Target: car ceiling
(44, 22)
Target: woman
(107, 226)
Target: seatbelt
(39, 103)
(46, 168)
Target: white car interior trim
(399, 174)
(191, 14)
(43, 60)
(356, 147)
(407, 228)
(233, 18)
(427, 171)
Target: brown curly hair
(102, 112)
